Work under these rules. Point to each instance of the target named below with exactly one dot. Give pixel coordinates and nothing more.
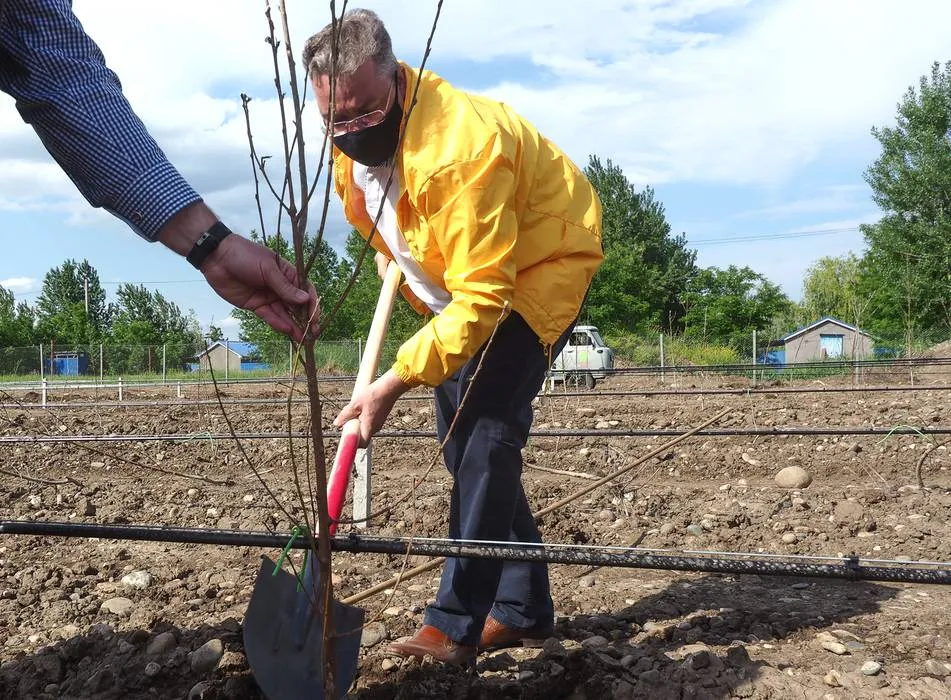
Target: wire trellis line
(737, 368)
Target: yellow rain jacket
(490, 209)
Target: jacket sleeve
(469, 208)
(74, 102)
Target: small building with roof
(236, 356)
(826, 339)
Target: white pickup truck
(584, 359)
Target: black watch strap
(206, 244)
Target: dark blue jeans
(484, 457)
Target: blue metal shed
(67, 363)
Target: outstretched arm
(65, 91)
(74, 102)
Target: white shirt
(371, 181)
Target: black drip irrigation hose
(737, 391)
(901, 363)
(113, 383)
(729, 391)
(606, 432)
(851, 568)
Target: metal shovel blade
(283, 636)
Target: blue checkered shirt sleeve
(65, 91)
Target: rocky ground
(119, 619)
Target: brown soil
(621, 633)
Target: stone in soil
(206, 657)
(372, 634)
(121, 607)
(935, 668)
(162, 644)
(138, 580)
(793, 478)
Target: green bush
(645, 351)
(681, 352)
(635, 350)
(336, 358)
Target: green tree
(71, 309)
(18, 353)
(16, 321)
(356, 312)
(69, 328)
(725, 306)
(833, 287)
(330, 275)
(788, 319)
(908, 258)
(145, 325)
(646, 268)
(215, 334)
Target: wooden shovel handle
(350, 435)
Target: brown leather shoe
(496, 635)
(429, 641)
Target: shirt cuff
(154, 198)
(406, 375)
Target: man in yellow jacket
(489, 221)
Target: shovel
(283, 630)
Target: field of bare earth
(83, 618)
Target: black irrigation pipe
(851, 567)
(718, 432)
(897, 363)
(732, 391)
(343, 397)
(751, 390)
(169, 404)
(151, 404)
(113, 382)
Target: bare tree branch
(313, 500)
(245, 99)
(49, 482)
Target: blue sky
(750, 118)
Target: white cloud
(830, 199)
(20, 285)
(230, 326)
(723, 91)
(750, 107)
(839, 225)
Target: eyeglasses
(364, 121)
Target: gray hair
(362, 36)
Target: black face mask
(376, 144)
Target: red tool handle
(340, 475)
(350, 435)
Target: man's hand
(253, 277)
(246, 274)
(372, 405)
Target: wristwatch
(206, 244)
